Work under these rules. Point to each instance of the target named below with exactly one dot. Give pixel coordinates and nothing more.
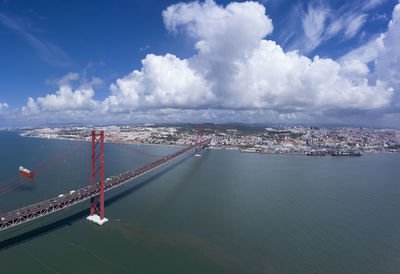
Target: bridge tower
(97, 140)
(199, 139)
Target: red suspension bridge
(94, 192)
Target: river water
(226, 212)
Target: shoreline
(110, 142)
(214, 148)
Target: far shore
(81, 140)
(216, 148)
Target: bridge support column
(199, 138)
(97, 139)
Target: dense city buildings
(312, 140)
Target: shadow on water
(25, 187)
(75, 217)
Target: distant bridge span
(37, 210)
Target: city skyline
(207, 61)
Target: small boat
(26, 172)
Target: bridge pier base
(96, 219)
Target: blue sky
(206, 61)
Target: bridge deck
(37, 210)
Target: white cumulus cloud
(68, 99)
(290, 82)
(164, 82)
(236, 68)
(237, 74)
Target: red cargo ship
(26, 172)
